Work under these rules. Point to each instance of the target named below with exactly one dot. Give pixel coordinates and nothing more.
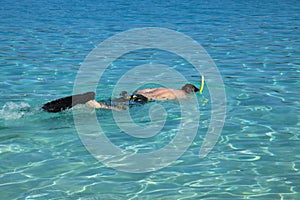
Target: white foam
(11, 110)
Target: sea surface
(256, 47)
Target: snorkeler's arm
(101, 105)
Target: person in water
(139, 97)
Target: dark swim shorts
(133, 100)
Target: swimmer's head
(189, 88)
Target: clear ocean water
(256, 46)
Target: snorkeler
(139, 97)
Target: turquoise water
(256, 48)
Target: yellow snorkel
(202, 84)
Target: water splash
(12, 111)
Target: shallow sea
(256, 46)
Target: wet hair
(189, 88)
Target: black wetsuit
(65, 103)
